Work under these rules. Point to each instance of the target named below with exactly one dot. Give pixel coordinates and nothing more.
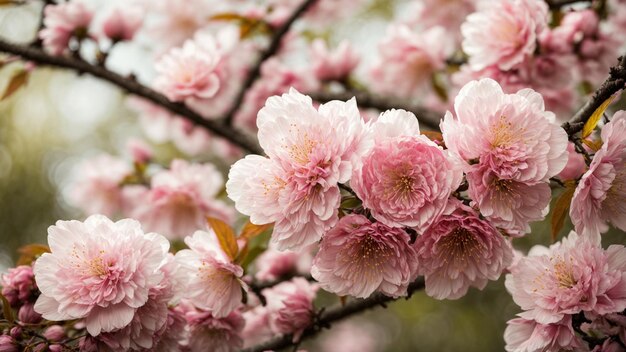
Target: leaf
(250, 256)
(591, 124)
(593, 145)
(226, 237)
(228, 16)
(433, 136)
(7, 312)
(30, 253)
(251, 230)
(561, 208)
(19, 79)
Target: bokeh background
(61, 117)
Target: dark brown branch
(270, 51)
(40, 57)
(333, 315)
(557, 4)
(426, 117)
(612, 85)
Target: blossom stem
(133, 87)
(332, 315)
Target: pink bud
(139, 150)
(122, 24)
(7, 344)
(27, 314)
(54, 333)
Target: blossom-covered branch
(132, 86)
(270, 51)
(611, 86)
(425, 116)
(332, 315)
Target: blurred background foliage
(61, 117)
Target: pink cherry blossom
(188, 73)
(97, 185)
(447, 14)
(98, 270)
(355, 335)
(461, 250)
(523, 335)
(310, 151)
(209, 279)
(150, 320)
(122, 23)
(409, 59)
(406, 179)
(181, 198)
(571, 276)
(358, 257)
(61, 23)
(512, 147)
(273, 264)
(276, 78)
(18, 285)
(208, 331)
(503, 33)
(333, 65)
(290, 306)
(258, 328)
(599, 197)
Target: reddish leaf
(19, 79)
(251, 230)
(561, 208)
(226, 237)
(30, 253)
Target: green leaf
(591, 124)
(226, 237)
(18, 80)
(561, 208)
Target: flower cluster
(560, 287)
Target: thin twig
(133, 87)
(271, 50)
(332, 315)
(613, 84)
(425, 116)
(557, 4)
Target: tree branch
(557, 4)
(332, 315)
(133, 87)
(613, 84)
(271, 50)
(426, 117)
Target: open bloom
(461, 250)
(62, 22)
(181, 198)
(310, 151)
(599, 197)
(209, 279)
(409, 59)
(512, 147)
(503, 33)
(219, 334)
(273, 264)
(406, 179)
(333, 65)
(97, 187)
(358, 257)
(571, 276)
(18, 285)
(188, 73)
(290, 306)
(98, 270)
(523, 335)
